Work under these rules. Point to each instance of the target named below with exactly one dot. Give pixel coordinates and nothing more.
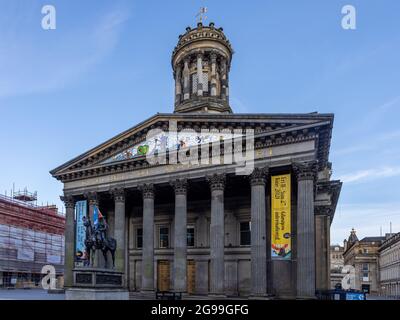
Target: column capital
(305, 170)
(179, 185)
(93, 197)
(118, 194)
(147, 190)
(323, 210)
(217, 181)
(259, 176)
(69, 201)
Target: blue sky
(107, 67)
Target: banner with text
(80, 211)
(280, 217)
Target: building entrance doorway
(163, 275)
(365, 288)
(191, 276)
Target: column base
(306, 298)
(148, 294)
(96, 294)
(260, 297)
(217, 296)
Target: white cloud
(370, 174)
(372, 144)
(35, 61)
(366, 218)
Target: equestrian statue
(96, 239)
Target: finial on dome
(201, 15)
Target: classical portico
(203, 227)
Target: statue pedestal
(97, 284)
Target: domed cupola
(201, 62)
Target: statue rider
(101, 229)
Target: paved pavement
(371, 297)
(29, 294)
(39, 294)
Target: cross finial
(201, 15)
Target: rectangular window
(164, 237)
(365, 267)
(245, 233)
(139, 238)
(190, 236)
(195, 81)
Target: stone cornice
(390, 242)
(333, 188)
(202, 33)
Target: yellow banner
(280, 217)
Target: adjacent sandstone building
(389, 267)
(337, 264)
(206, 201)
(363, 255)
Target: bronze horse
(93, 242)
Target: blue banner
(80, 212)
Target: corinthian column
(306, 173)
(217, 235)
(258, 233)
(148, 238)
(180, 239)
(119, 228)
(69, 247)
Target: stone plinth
(96, 284)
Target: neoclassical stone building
(389, 266)
(363, 255)
(258, 226)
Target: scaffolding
(23, 250)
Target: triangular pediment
(134, 144)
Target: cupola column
(213, 74)
(186, 82)
(178, 85)
(199, 74)
(224, 79)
